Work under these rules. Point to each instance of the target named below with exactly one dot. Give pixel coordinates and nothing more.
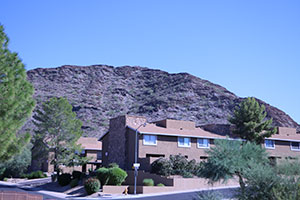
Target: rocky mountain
(100, 92)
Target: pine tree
(16, 102)
(250, 123)
(57, 131)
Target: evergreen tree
(249, 121)
(57, 131)
(16, 102)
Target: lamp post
(135, 164)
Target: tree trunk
(241, 182)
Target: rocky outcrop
(100, 92)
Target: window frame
(273, 147)
(149, 144)
(184, 146)
(203, 147)
(292, 149)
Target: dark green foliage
(179, 164)
(232, 158)
(148, 182)
(58, 128)
(187, 174)
(103, 175)
(92, 185)
(35, 174)
(74, 183)
(160, 185)
(210, 195)
(16, 102)
(18, 165)
(116, 176)
(64, 179)
(76, 174)
(162, 166)
(249, 121)
(111, 165)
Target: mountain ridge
(100, 92)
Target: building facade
(171, 137)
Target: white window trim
(179, 145)
(269, 147)
(203, 147)
(149, 144)
(292, 147)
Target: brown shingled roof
(90, 143)
(197, 132)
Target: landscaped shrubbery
(76, 174)
(92, 185)
(148, 182)
(102, 175)
(111, 165)
(116, 176)
(34, 175)
(111, 176)
(64, 179)
(160, 184)
(176, 165)
(74, 183)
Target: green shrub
(111, 165)
(76, 175)
(148, 182)
(162, 166)
(160, 184)
(102, 175)
(35, 174)
(92, 185)
(64, 179)
(187, 175)
(116, 176)
(179, 164)
(74, 183)
(5, 179)
(210, 195)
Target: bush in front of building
(160, 185)
(116, 176)
(162, 166)
(34, 175)
(112, 165)
(92, 185)
(102, 175)
(74, 183)
(64, 179)
(148, 182)
(76, 175)
(179, 164)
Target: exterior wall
(176, 124)
(117, 143)
(283, 150)
(168, 145)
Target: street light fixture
(135, 164)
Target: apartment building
(170, 137)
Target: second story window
(150, 140)
(202, 143)
(270, 144)
(184, 142)
(295, 146)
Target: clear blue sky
(250, 47)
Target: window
(203, 143)
(295, 146)
(270, 144)
(150, 140)
(184, 142)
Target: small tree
(249, 121)
(16, 102)
(231, 158)
(57, 130)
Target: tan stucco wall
(283, 150)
